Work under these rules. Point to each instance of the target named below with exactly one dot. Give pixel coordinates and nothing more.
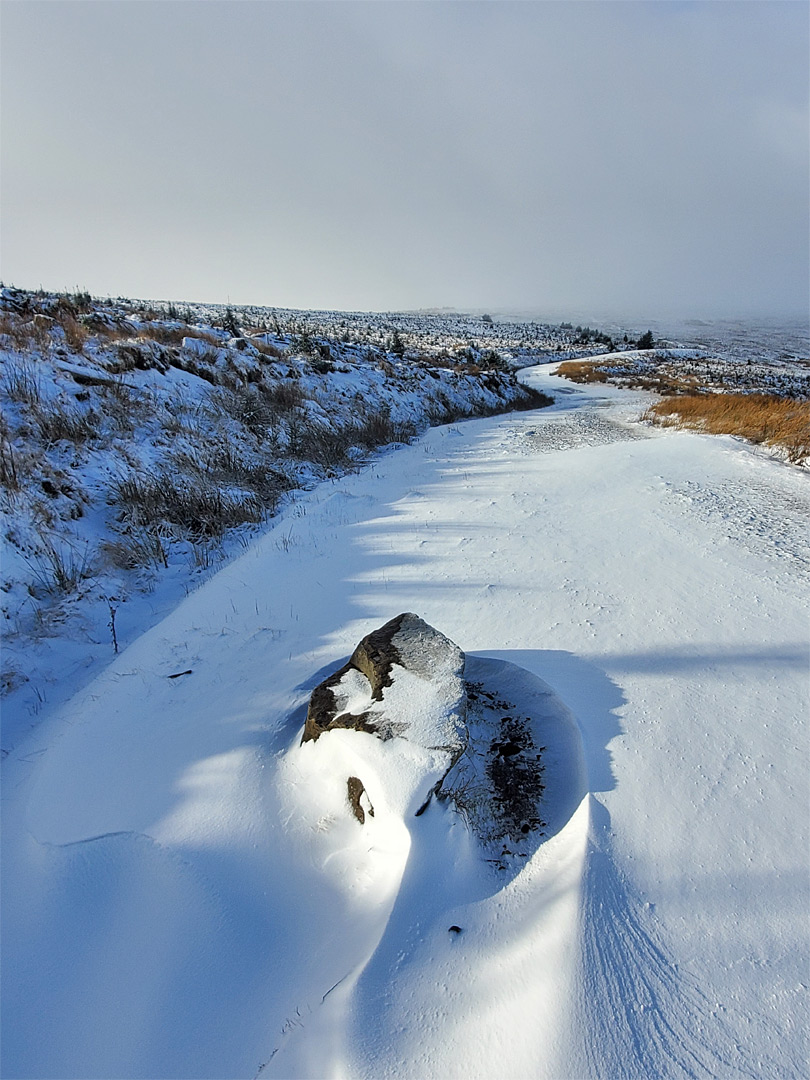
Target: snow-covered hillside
(186, 896)
(139, 449)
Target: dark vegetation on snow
(188, 424)
(497, 783)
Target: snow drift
(187, 891)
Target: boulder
(403, 679)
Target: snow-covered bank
(139, 450)
(167, 913)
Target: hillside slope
(140, 448)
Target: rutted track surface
(764, 516)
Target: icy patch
(576, 430)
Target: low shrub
(284, 396)
(124, 406)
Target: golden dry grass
(75, 333)
(584, 371)
(622, 372)
(163, 335)
(760, 418)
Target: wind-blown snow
(186, 892)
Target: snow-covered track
(170, 909)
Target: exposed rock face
(358, 799)
(403, 677)
(376, 654)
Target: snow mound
(426, 904)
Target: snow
(87, 563)
(186, 892)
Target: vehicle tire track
(766, 516)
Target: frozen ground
(183, 896)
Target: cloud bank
(646, 158)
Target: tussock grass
(141, 547)
(227, 467)
(198, 508)
(330, 445)
(57, 421)
(9, 473)
(21, 384)
(173, 335)
(267, 349)
(760, 418)
(76, 334)
(167, 335)
(284, 396)
(378, 429)
(123, 406)
(18, 333)
(253, 409)
(583, 371)
(26, 334)
(60, 567)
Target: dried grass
(57, 420)
(141, 547)
(76, 334)
(21, 383)
(761, 418)
(9, 473)
(154, 501)
(173, 335)
(26, 333)
(266, 349)
(59, 567)
(583, 371)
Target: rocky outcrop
(404, 685)
(438, 733)
(359, 695)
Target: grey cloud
(647, 158)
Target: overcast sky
(646, 158)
